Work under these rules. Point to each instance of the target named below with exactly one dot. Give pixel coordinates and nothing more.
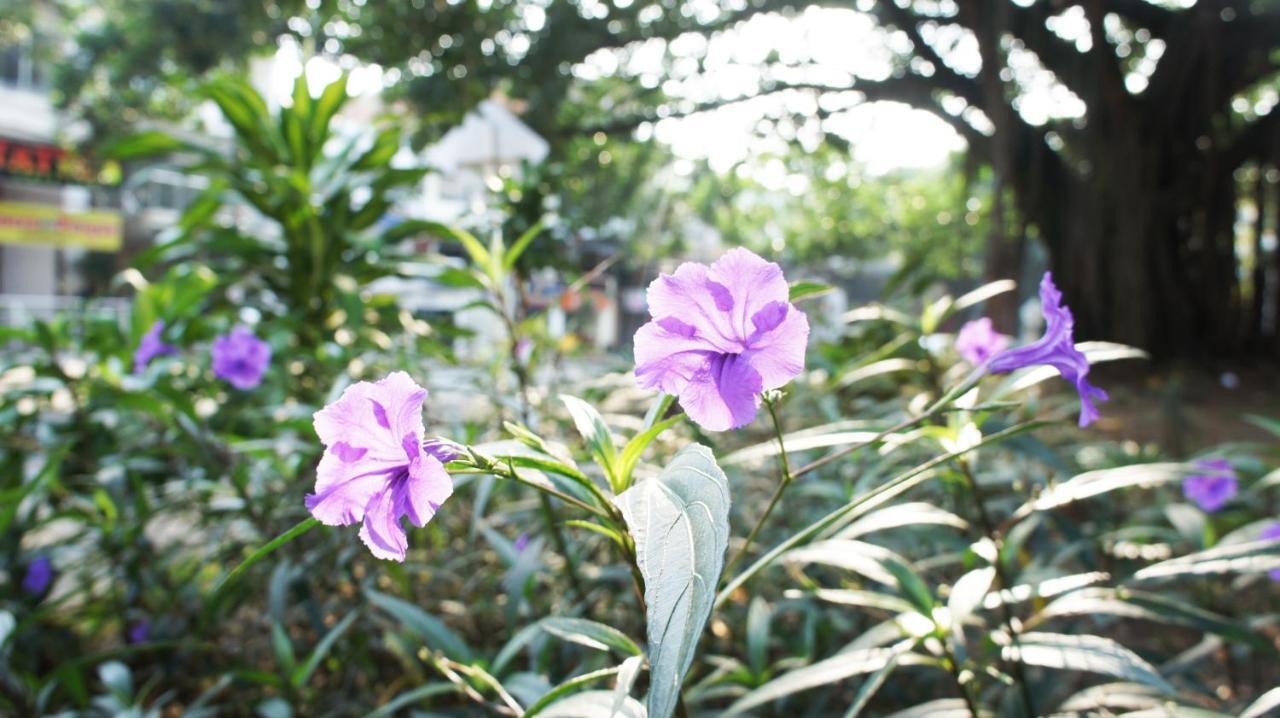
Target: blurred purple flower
(240, 358)
(978, 341)
(139, 631)
(522, 542)
(720, 337)
(39, 576)
(1272, 532)
(1211, 490)
(151, 346)
(1056, 349)
(376, 467)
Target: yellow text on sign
(24, 223)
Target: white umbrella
(489, 136)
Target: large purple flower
(721, 336)
(240, 358)
(376, 467)
(1057, 349)
(39, 576)
(1214, 488)
(151, 346)
(978, 341)
(1272, 532)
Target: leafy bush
(896, 533)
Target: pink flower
(720, 337)
(978, 341)
(376, 466)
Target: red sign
(43, 162)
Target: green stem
(997, 540)
(787, 478)
(266, 550)
(557, 536)
(882, 493)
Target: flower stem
(570, 569)
(787, 478)
(995, 535)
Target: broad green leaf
(283, 648)
(679, 522)
(807, 290)
(591, 634)
(593, 704)
(429, 628)
(1085, 653)
(596, 435)
(823, 673)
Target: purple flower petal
(720, 336)
(139, 631)
(978, 341)
(377, 469)
(38, 577)
(151, 346)
(240, 358)
(1213, 489)
(1056, 349)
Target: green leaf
(982, 294)
(570, 686)
(522, 243)
(303, 673)
(427, 627)
(1084, 653)
(266, 550)
(807, 290)
(823, 673)
(590, 634)
(680, 524)
(331, 100)
(1266, 703)
(283, 648)
(594, 704)
(385, 145)
(1096, 483)
(634, 449)
(474, 248)
(1249, 557)
(410, 697)
(596, 435)
(759, 616)
(142, 145)
(872, 684)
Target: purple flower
(978, 341)
(150, 347)
(522, 542)
(720, 337)
(1057, 349)
(1272, 532)
(1211, 490)
(376, 467)
(39, 576)
(139, 631)
(240, 358)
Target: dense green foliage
(948, 544)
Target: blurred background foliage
(146, 490)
